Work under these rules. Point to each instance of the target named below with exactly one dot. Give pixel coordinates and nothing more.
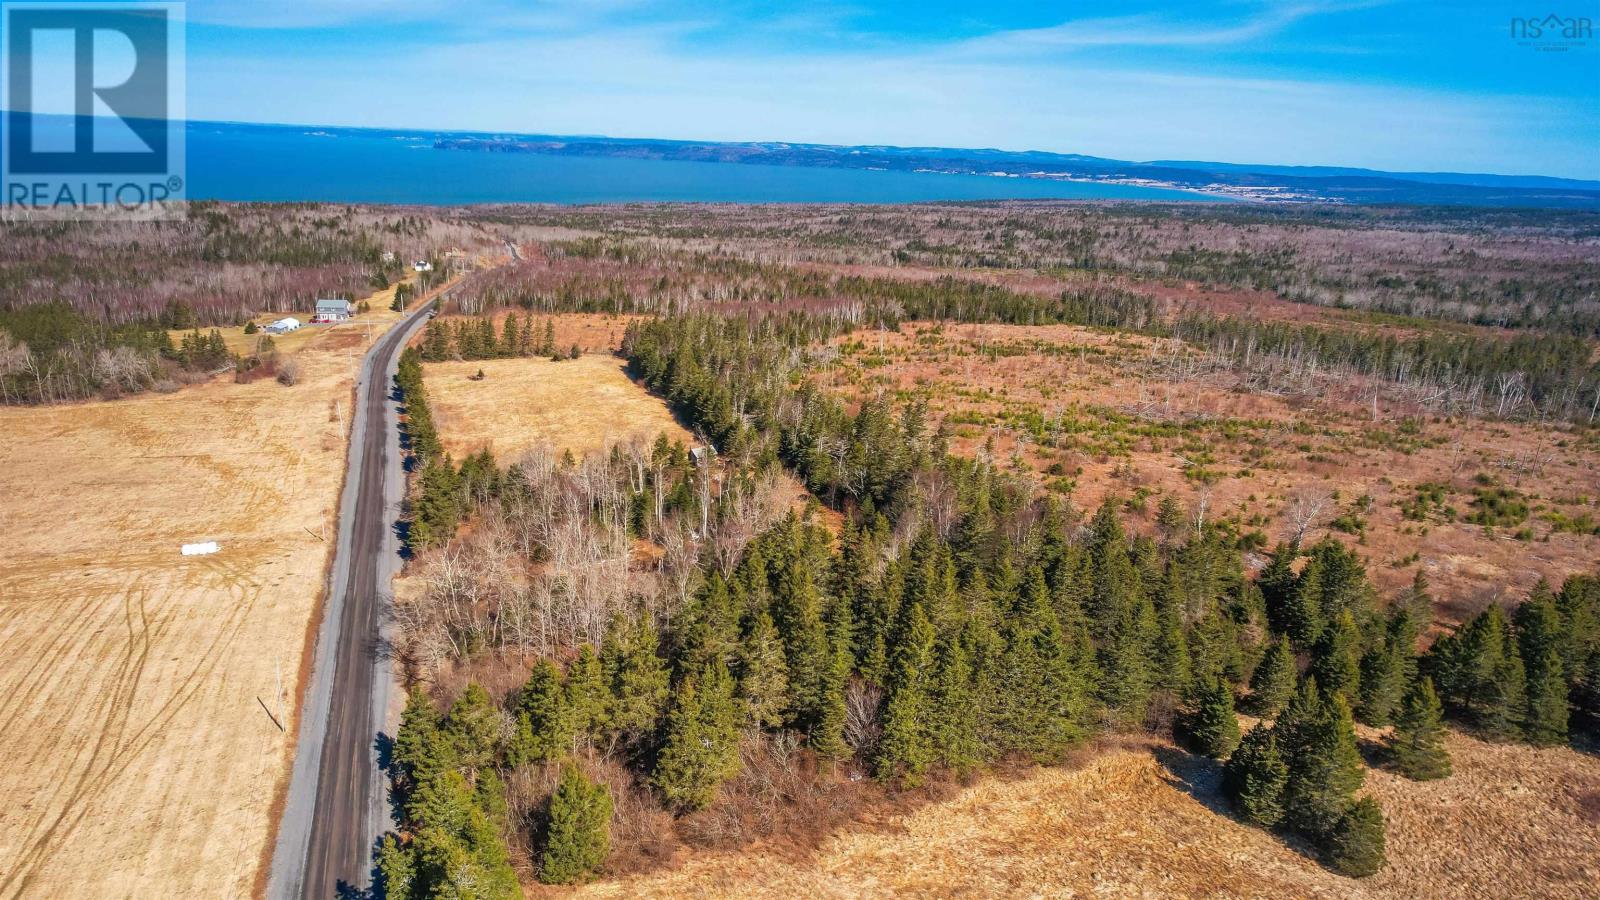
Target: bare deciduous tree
(1305, 508)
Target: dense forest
(929, 618)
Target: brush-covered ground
(1135, 820)
(1484, 508)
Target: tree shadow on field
(1375, 753)
(1197, 776)
(1201, 778)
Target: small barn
(422, 265)
(283, 326)
(333, 311)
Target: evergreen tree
(586, 694)
(473, 729)
(1579, 607)
(1540, 643)
(1324, 767)
(1545, 722)
(1418, 743)
(701, 747)
(508, 336)
(1480, 677)
(1255, 776)
(907, 746)
(827, 735)
(436, 342)
(437, 511)
(1336, 661)
(1170, 517)
(1277, 585)
(547, 346)
(419, 751)
(954, 729)
(543, 729)
(1355, 847)
(797, 611)
(525, 343)
(1038, 694)
(1386, 669)
(1303, 610)
(1122, 620)
(637, 676)
(487, 343)
(397, 870)
(1114, 582)
(1272, 683)
(578, 829)
(1173, 664)
(1211, 724)
(1126, 675)
(1345, 587)
(456, 851)
(763, 674)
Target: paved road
(336, 802)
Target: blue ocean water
(283, 163)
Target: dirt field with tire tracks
(139, 687)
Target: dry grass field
(1146, 822)
(1096, 414)
(583, 405)
(136, 683)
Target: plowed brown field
(138, 687)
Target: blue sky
(1396, 85)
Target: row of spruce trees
(475, 338)
(443, 493)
